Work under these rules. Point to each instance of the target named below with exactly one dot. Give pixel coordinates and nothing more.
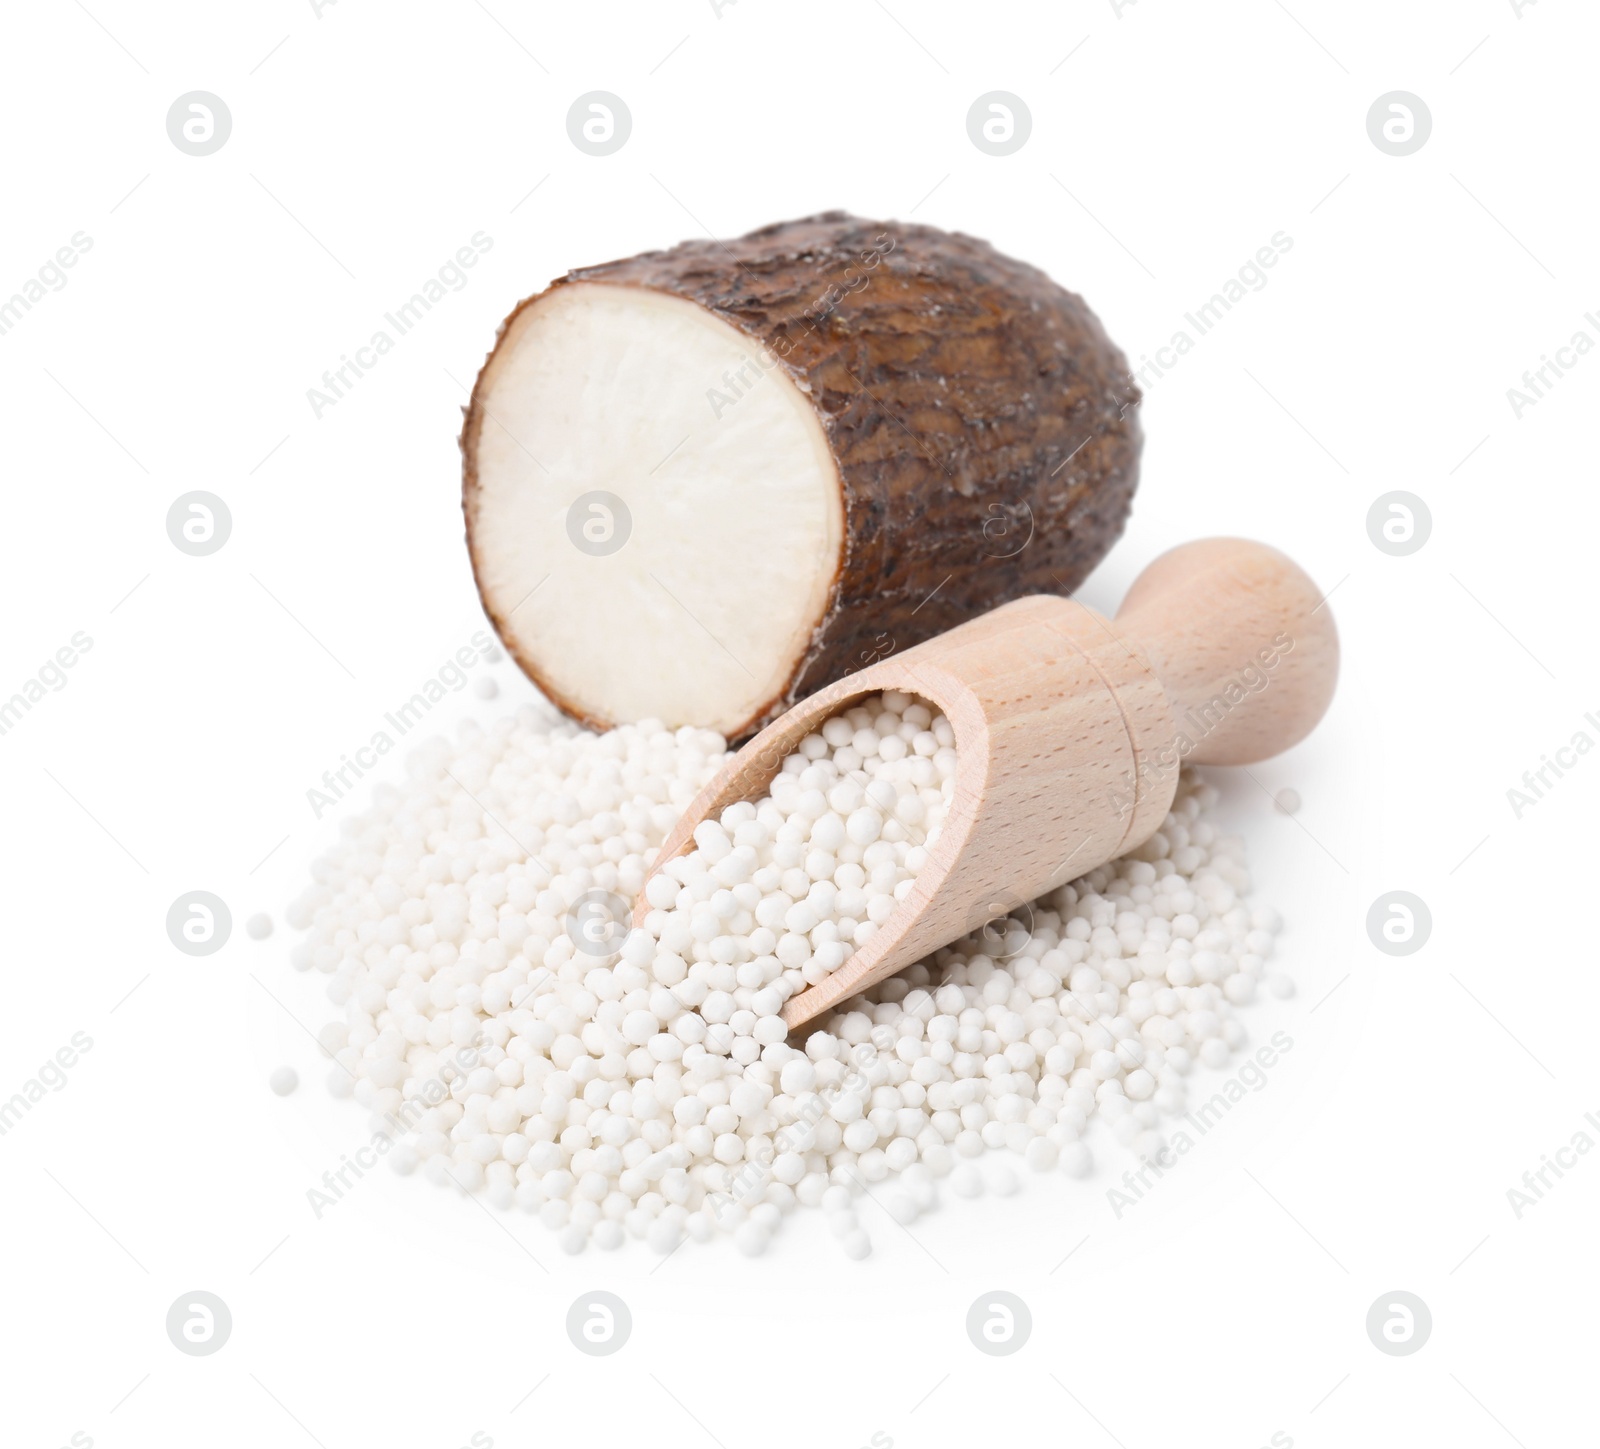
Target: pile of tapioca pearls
(642, 1084)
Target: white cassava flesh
(735, 512)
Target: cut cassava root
(700, 484)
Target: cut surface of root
(657, 521)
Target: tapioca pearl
(828, 831)
(864, 825)
(811, 805)
(837, 731)
(819, 865)
(865, 742)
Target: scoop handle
(1243, 642)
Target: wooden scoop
(1069, 733)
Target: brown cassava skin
(984, 428)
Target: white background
(1168, 144)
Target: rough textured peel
(833, 438)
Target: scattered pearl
(259, 926)
(403, 1159)
(1041, 1154)
(903, 1208)
(1075, 1160)
(284, 1080)
(966, 1181)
